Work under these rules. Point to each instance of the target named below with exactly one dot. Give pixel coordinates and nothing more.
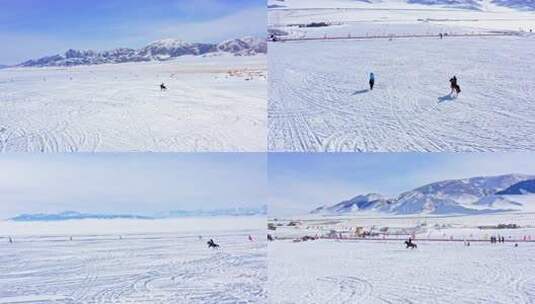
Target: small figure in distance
(212, 244)
(372, 81)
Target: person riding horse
(410, 244)
(454, 86)
(212, 244)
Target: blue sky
(143, 183)
(34, 28)
(300, 182)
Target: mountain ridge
(161, 50)
(74, 215)
(527, 186)
(455, 196)
(71, 215)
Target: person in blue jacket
(372, 81)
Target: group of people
(455, 88)
(212, 244)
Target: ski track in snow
(119, 107)
(318, 98)
(147, 269)
(330, 271)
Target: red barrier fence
(349, 37)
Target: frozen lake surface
(166, 267)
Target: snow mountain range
(73, 215)
(461, 196)
(156, 51)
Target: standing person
(372, 81)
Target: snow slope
(213, 103)
(368, 202)
(526, 186)
(319, 98)
(151, 267)
(475, 194)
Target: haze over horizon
(138, 183)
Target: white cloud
(242, 23)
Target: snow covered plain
(383, 271)
(117, 263)
(320, 100)
(329, 271)
(213, 103)
(319, 97)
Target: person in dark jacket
(455, 88)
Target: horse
(457, 88)
(410, 245)
(454, 86)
